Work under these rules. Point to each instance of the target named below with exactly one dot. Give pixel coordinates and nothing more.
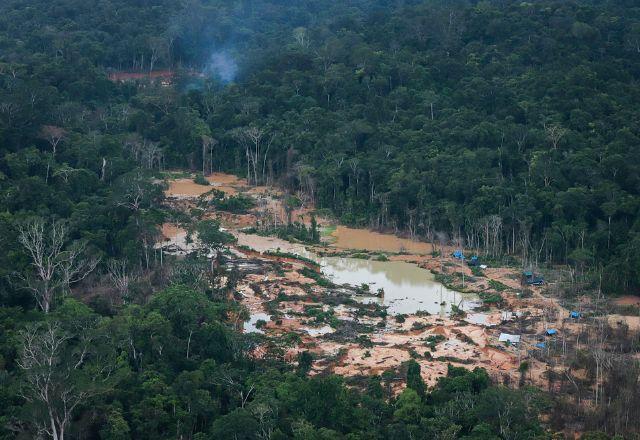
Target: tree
(115, 427)
(212, 237)
(408, 407)
(555, 133)
(120, 277)
(256, 142)
(208, 144)
(237, 425)
(61, 371)
(305, 361)
(414, 379)
(53, 135)
(54, 266)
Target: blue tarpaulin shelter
(458, 254)
(473, 261)
(541, 345)
(552, 331)
(575, 315)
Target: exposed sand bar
(349, 238)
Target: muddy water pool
(250, 325)
(407, 287)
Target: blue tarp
(458, 254)
(575, 315)
(552, 331)
(541, 345)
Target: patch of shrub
(200, 180)
(238, 204)
(497, 285)
(316, 276)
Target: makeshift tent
(575, 315)
(538, 281)
(458, 254)
(541, 345)
(507, 316)
(511, 339)
(473, 261)
(531, 279)
(552, 331)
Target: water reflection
(407, 287)
(325, 329)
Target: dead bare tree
(153, 155)
(134, 195)
(145, 152)
(555, 133)
(208, 144)
(76, 265)
(158, 50)
(120, 276)
(265, 415)
(53, 135)
(49, 377)
(256, 143)
(301, 38)
(211, 100)
(54, 267)
(103, 169)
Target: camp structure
(531, 279)
(473, 261)
(457, 254)
(551, 332)
(509, 339)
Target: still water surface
(407, 287)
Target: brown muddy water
(407, 287)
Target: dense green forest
(506, 126)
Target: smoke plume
(223, 66)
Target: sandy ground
(225, 179)
(181, 188)
(174, 239)
(433, 341)
(627, 300)
(187, 188)
(633, 322)
(349, 238)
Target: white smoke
(223, 66)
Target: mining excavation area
(364, 302)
